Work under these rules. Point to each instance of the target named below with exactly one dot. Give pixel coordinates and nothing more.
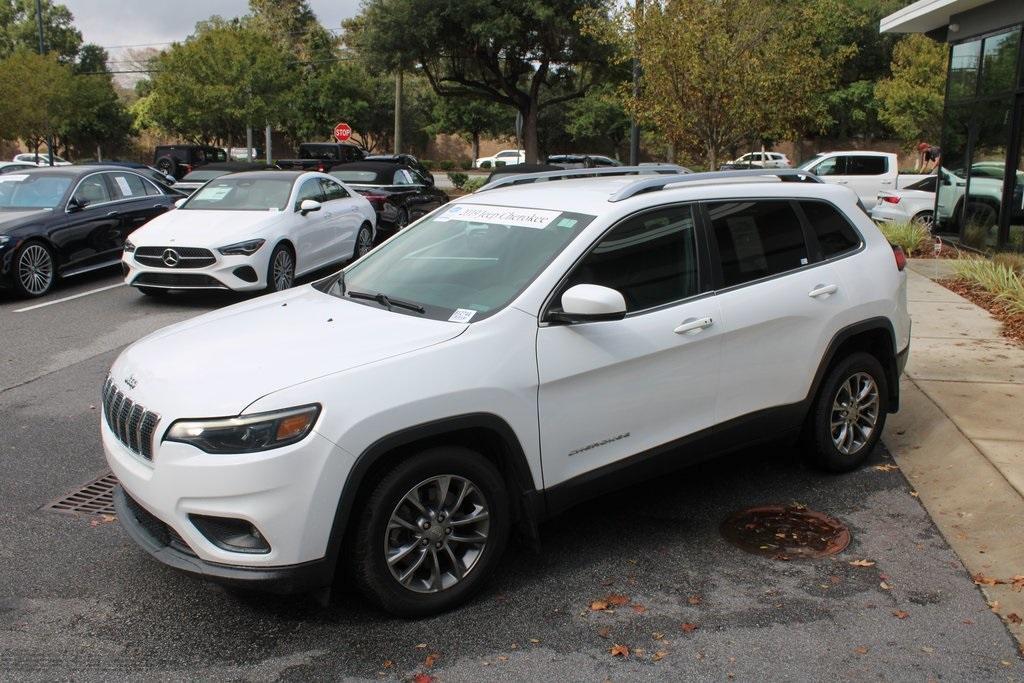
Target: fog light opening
(233, 535)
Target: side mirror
(75, 204)
(308, 205)
(178, 203)
(590, 303)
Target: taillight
(891, 199)
(321, 168)
(377, 200)
(188, 168)
(901, 258)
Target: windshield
(464, 262)
(24, 191)
(203, 176)
(238, 193)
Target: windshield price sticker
(12, 178)
(214, 194)
(523, 218)
(462, 315)
(122, 183)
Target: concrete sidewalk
(959, 437)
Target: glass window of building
(999, 62)
(963, 70)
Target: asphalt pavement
(78, 601)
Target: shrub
(458, 179)
(474, 183)
(485, 164)
(999, 280)
(446, 165)
(1011, 260)
(428, 164)
(465, 164)
(911, 237)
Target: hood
(15, 219)
(216, 364)
(201, 228)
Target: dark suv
(179, 160)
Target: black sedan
(398, 193)
(62, 221)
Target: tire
(831, 448)
(364, 241)
(925, 219)
(168, 165)
(153, 291)
(428, 588)
(34, 269)
(402, 220)
(281, 269)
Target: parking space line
(68, 298)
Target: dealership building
(980, 191)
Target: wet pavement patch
(785, 532)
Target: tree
(18, 29)
(719, 73)
(37, 96)
(599, 119)
(911, 99)
(98, 118)
(470, 118)
(508, 53)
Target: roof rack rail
(527, 178)
(659, 183)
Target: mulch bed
(947, 251)
(1013, 324)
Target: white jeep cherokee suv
(500, 360)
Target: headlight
(248, 433)
(242, 248)
(128, 246)
(5, 240)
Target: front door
(612, 389)
(344, 219)
(90, 232)
(312, 232)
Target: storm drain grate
(784, 532)
(94, 498)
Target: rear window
(355, 176)
(834, 232)
(757, 239)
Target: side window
(651, 259)
(309, 190)
(831, 166)
(332, 190)
(92, 190)
(756, 239)
(834, 232)
(128, 185)
(151, 189)
(866, 165)
(401, 178)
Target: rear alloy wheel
(432, 532)
(34, 272)
(402, 220)
(364, 242)
(281, 272)
(925, 219)
(849, 413)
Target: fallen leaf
(598, 606)
(387, 664)
(421, 646)
(1005, 663)
(1017, 583)
(994, 605)
(1014, 618)
(616, 600)
(689, 628)
(886, 468)
(982, 580)
(900, 614)
(658, 656)
(431, 660)
(658, 636)
(915, 494)
(639, 609)
(603, 631)
(863, 563)
(619, 651)
(423, 678)
(534, 640)
(694, 599)
(502, 658)
(927, 650)
(861, 650)
(884, 586)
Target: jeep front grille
(133, 425)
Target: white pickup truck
(866, 173)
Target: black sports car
(399, 194)
(62, 221)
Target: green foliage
(911, 237)
(474, 183)
(911, 99)
(485, 164)
(458, 179)
(98, 119)
(998, 279)
(598, 120)
(37, 96)
(18, 29)
(471, 118)
(1011, 260)
(446, 165)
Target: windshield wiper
(386, 301)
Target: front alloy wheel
(34, 270)
(282, 269)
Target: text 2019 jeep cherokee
(503, 358)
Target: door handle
(822, 290)
(693, 325)
(113, 214)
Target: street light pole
(42, 51)
(634, 127)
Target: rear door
(138, 200)
(778, 302)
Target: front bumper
(223, 274)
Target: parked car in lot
(405, 159)
(581, 161)
(757, 160)
(60, 222)
(39, 159)
(866, 173)
(505, 157)
(518, 351)
(180, 160)
(199, 177)
(257, 230)
(322, 156)
(15, 166)
(398, 194)
(915, 203)
(153, 174)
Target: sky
(149, 22)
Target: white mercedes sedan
(256, 230)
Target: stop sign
(342, 132)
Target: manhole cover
(94, 498)
(785, 532)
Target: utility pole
(398, 111)
(269, 153)
(42, 51)
(634, 127)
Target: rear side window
(651, 259)
(834, 232)
(757, 239)
(129, 185)
(866, 165)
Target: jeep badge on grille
(131, 381)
